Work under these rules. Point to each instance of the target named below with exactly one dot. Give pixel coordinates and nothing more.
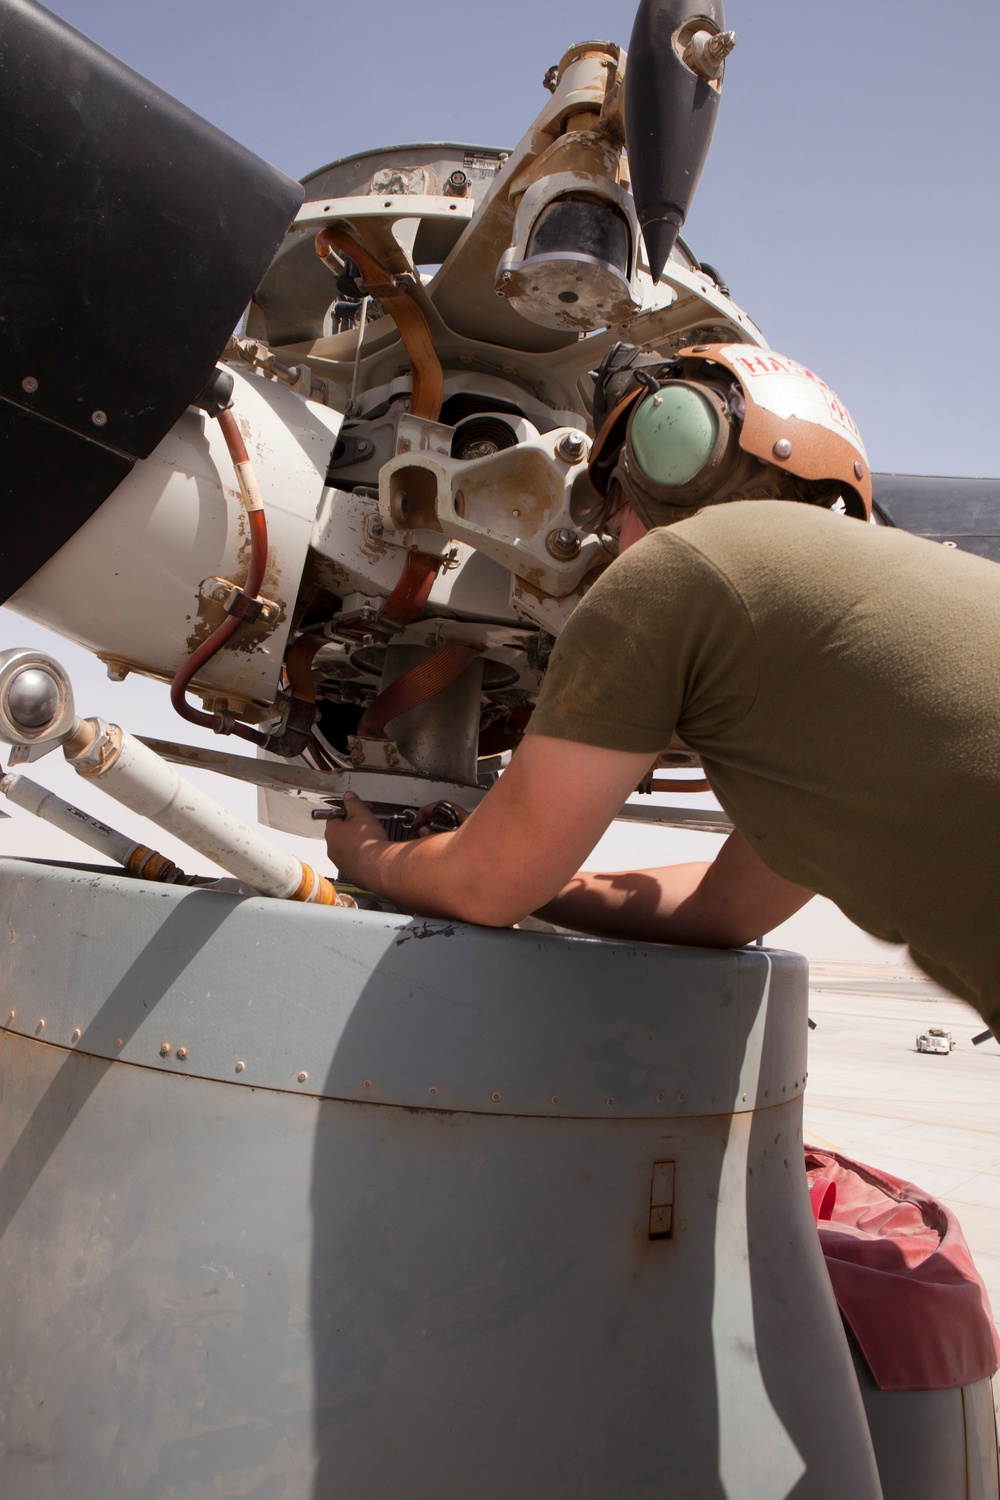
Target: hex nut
(564, 543)
(572, 446)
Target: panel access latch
(661, 1201)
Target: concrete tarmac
(933, 1120)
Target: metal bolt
(496, 1098)
(99, 418)
(164, 1049)
(303, 1077)
(77, 1034)
(572, 446)
(29, 384)
(516, 514)
(554, 1099)
(657, 400)
(744, 1098)
(10, 1018)
(240, 1066)
(782, 448)
(859, 469)
(432, 1090)
(369, 1084)
(609, 1101)
(564, 543)
(708, 52)
(41, 1025)
(680, 1095)
(119, 1041)
(659, 1098)
(182, 1053)
(376, 528)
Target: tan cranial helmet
(727, 422)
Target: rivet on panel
(680, 1095)
(182, 1053)
(77, 1033)
(496, 1098)
(41, 1025)
(368, 1083)
(99, 418)
(432, 1090)
(859, 469)
(303, 1077)
(744, 1097)
(609, 1101)
(554, 1099)
(164, 1049)
(119, 1041)
(240, 1066)
(10, 1018)
(782, 448)
(29, 384)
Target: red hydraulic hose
(203, 654)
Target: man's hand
(355, 839)
(422, 828)
(512, 854)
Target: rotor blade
(273, 775)
(691, 818)
(963, 513)
(670, 114)
(125, 214)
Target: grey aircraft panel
(212, 1288)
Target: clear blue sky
(852, 197)
(852, 200)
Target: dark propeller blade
(672, 83)
(134, 233)
(963, 513)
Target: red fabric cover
(903, 1279)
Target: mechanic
(838, 681)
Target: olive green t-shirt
(840, 683)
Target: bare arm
(520, 850)
(724, 904)
(515, 852)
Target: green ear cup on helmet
(673, 434)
